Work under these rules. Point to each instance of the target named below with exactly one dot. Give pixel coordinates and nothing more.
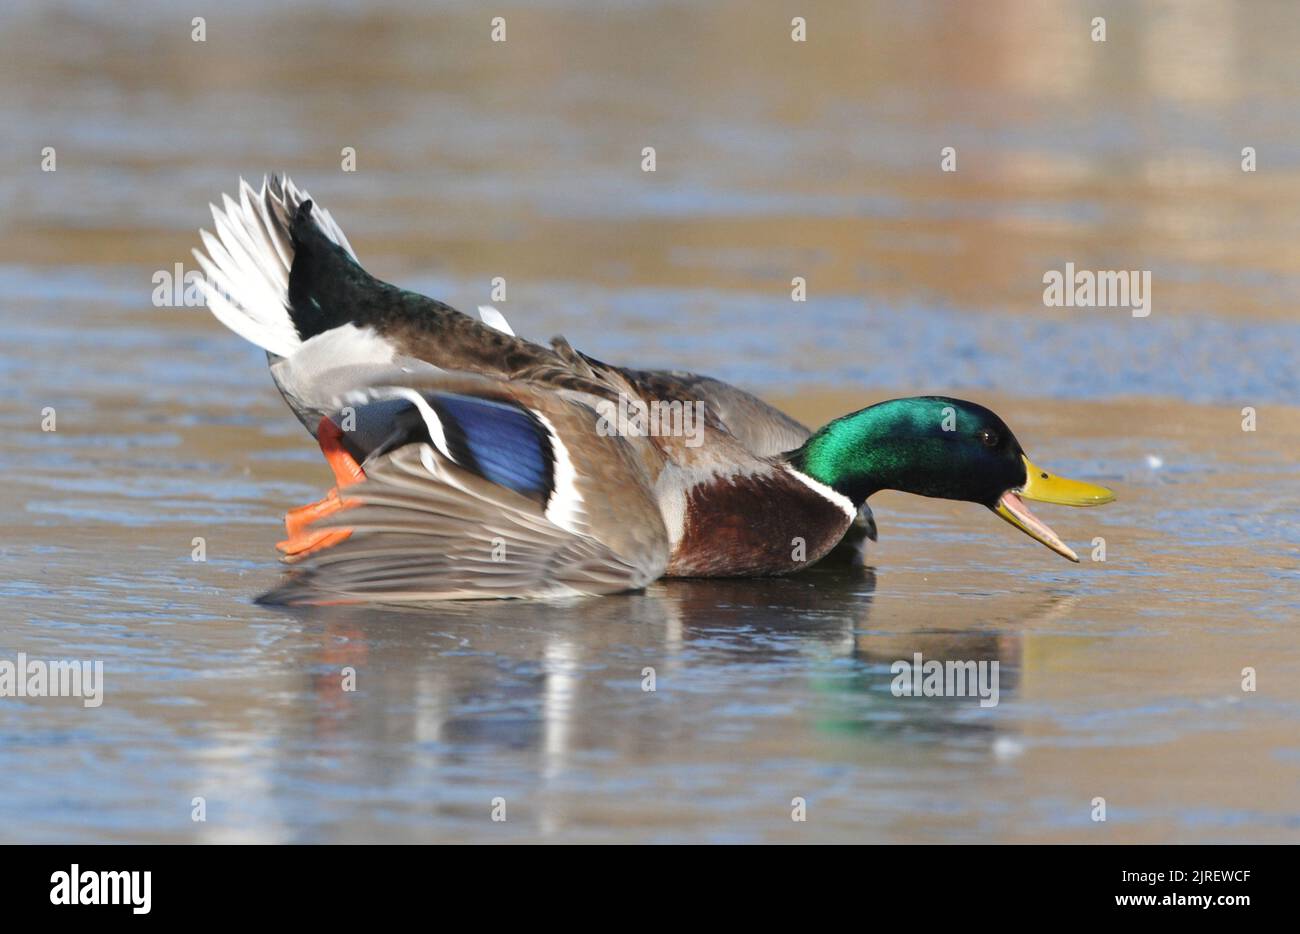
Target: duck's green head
(948, 448)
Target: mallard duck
(473, 463)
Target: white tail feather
(494, 319)
(246, 268)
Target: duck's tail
(249, 260)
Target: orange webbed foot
(302, 542)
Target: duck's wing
(475, 488)
(762, 428)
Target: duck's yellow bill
(1044, 487)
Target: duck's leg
(347, 472)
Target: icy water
(1120, 679)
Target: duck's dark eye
(988, 438)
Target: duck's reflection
(799, 663)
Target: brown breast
(755, 524)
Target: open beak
(1047, 488)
